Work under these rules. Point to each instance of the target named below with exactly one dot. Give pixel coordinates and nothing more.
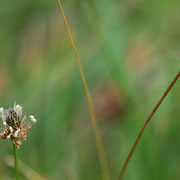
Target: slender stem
(99, 144)
(145, 124)
(15, 162)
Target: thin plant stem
(24, 169)
(99, 144)
(15, 162)
(145, 124)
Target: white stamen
(8, 137)
(18, 108)
(16, 133)
(1, 110)
(33, 119)
(4, 123)
(31, 116)
(11, 129)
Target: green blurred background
(129, 50)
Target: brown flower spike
(14, 126)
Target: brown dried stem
(145, 124)
(99, 144)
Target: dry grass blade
(99, 144)
(145, 124)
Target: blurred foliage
(130, 53)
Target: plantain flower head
(14, 125)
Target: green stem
(15, 162)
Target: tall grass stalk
(145, 124)
(99, 144)
(15, 162)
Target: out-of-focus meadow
(130, 53)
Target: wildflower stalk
(145, 124)
(14, 127)
(15, 162)
(99, 144)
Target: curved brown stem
(145, 124)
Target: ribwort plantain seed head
(14, 126)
